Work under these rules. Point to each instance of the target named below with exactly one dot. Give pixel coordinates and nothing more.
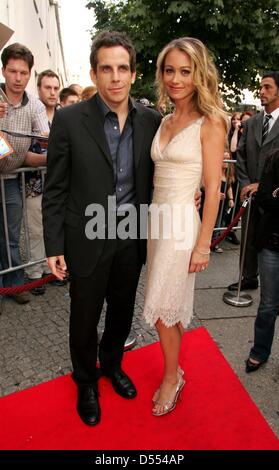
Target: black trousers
(115, 280)
(250, 267)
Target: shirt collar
(274, 114)
(24, 100)
(105, 110)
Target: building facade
(36, 24)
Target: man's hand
(248, 190)
(197, 199)
(44, 143)
(3, 109)
(35, 159)
(58, 266)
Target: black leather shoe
(245, 285)
(88, 406)
(122, 384)
(232, 238)
(39, 290)
(58, 282)
(251, 366)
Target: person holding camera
(24, 114)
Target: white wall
(39, 31)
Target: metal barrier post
(20, 172)
(25, 222)
(235, 201)
(5, 221)
(218, 225)
(240, 298)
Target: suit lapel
(138, 134)
(92, 120)
(273, 133)
(259, 128)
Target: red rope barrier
(27, 286)
(228, 229)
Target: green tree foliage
(243, 36)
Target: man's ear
(133, 77)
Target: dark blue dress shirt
(122, 153)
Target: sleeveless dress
(173, 227)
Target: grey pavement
(34, 337)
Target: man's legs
(13, 201)
(36, 238)
(36, 241)
(120, 296)
(269, 305)
(87, 298)
(250, 269)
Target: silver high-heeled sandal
(169, 405)
(156, 394)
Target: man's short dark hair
(112, 39)
(17, 51)
(274, 75)
(46, 73)
(66, 92)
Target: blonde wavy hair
(204, 74)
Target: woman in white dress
(188, 147)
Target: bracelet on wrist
(203, 252)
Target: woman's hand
(198, 262)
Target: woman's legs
(181, 329)
(170, 341)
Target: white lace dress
(173, 227)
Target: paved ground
(34, 337)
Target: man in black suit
(99, 149)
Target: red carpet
(215, 412)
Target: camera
(3, 97)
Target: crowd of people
(103, 144)
(28, 114)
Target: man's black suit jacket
(80, 172)
(267, 205)
(251, 153)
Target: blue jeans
(14, 216)
(269, 304)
